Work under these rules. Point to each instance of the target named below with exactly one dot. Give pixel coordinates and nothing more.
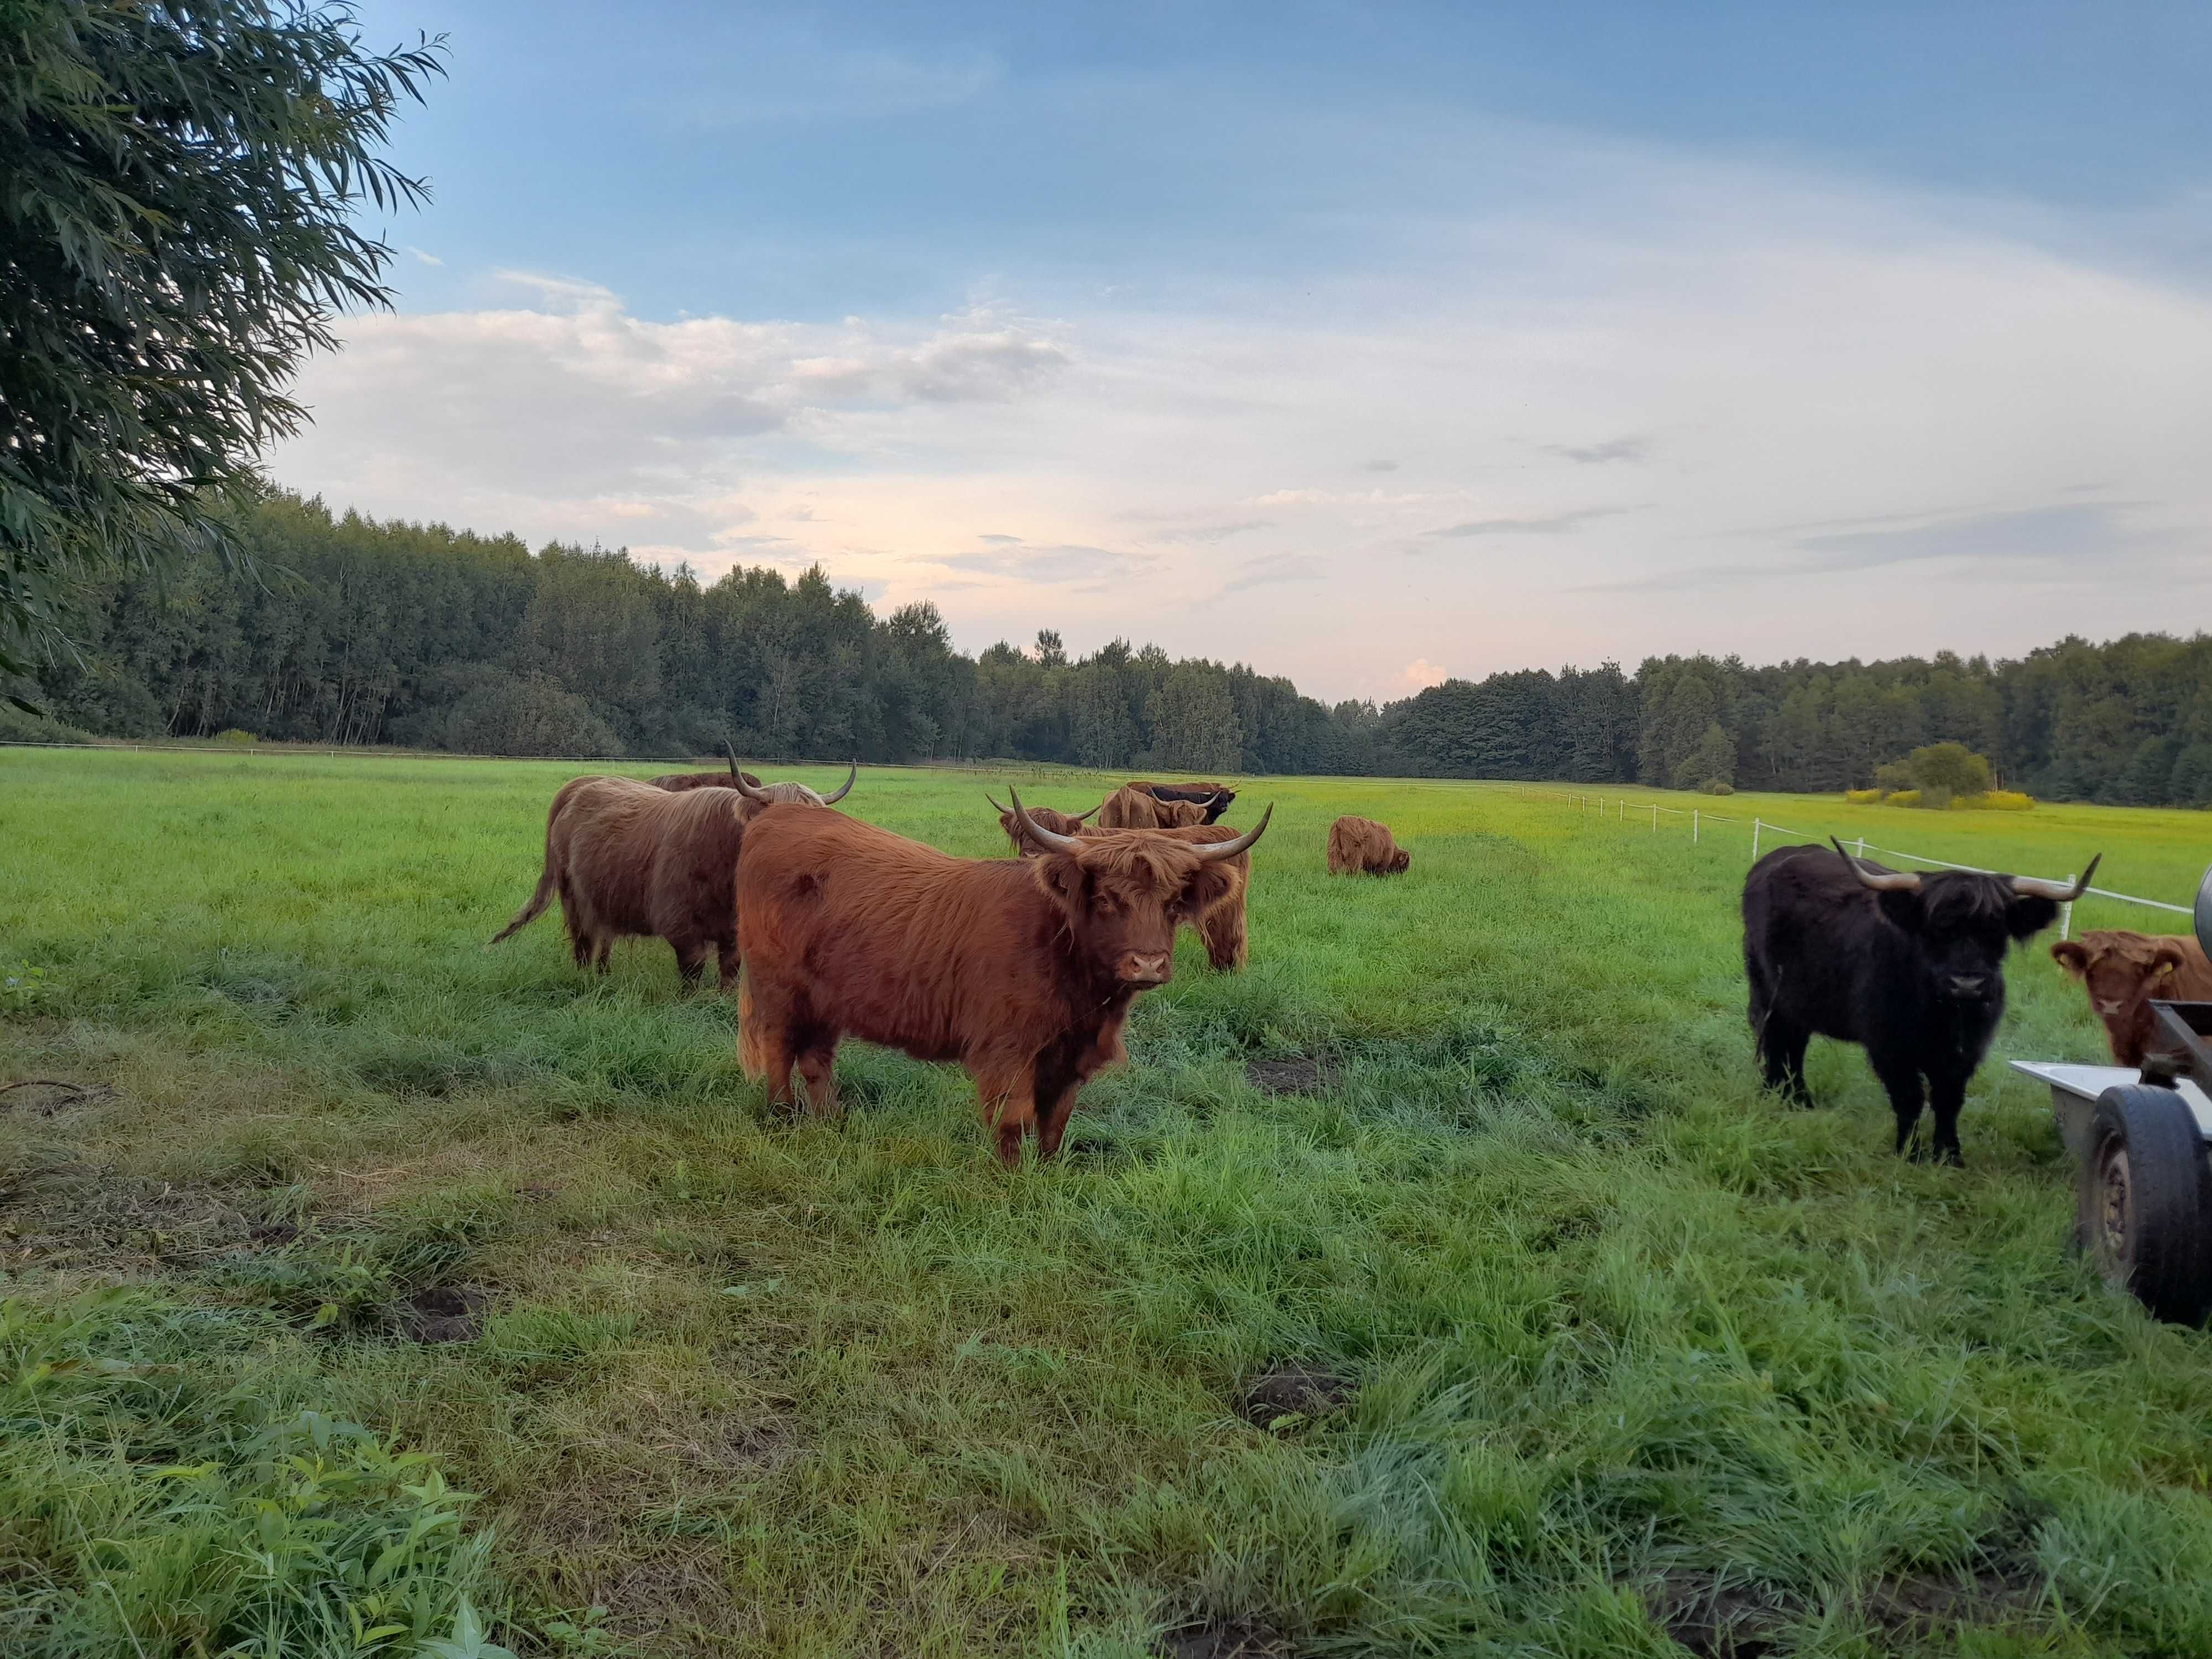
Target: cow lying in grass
(1363, 847)
(1221, 925)
(1022, 969)
(633, 860)
(2125, 972)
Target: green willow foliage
(362, 632)
(178, 188)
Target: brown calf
(1363, 847)
(2125, 972)
(1221, 925)
(1023, 969)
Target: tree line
(358, 632)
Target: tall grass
(1633, 1348)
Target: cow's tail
(752, 1053)
(530, 912)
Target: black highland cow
(1909, 966)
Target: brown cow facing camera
(1021, 969)
(2125, 972)
(1362, 846)
(1221, 926)
(633, 860)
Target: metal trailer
(2139, 1137)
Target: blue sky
(1364, 343)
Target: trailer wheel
(2147, 1201)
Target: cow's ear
(2167, 958)
(2071, 955)
(2026, 917)
(1063, 881)
(1903, 909)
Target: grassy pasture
(1615, 1351)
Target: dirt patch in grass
(1715, 1620)
(1917, 1608)
(445, 1313)
(1239, 1636)
(1298, 1074)
(1292, 1391)
(44, 1097)
(70, 1215)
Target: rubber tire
(2147, 1202)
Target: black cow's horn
(1051, 839)
(1885, 881)
(1230, 849)
(855, 772)
(2033, 887)
(750, 791)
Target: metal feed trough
(2143, 1194)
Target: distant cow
(1221, 925)
(1022, 969)
(735, 778)
(1909, 966)
(2124, 972)
(1363, 847)
(1137, 806)
(633, 860)
(1215, 799)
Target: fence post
(1622, 815)
(1693, 826)
(1654, 820)
(1861, 849)
(2066, 914)
(1754, 840)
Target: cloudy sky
(1366, 342)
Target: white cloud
(1420, 674)
(1619, 406)
(427, 258)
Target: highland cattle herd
(1023, 969)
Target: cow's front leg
(1946, 1096)
(817, 1070)
(1008, 1097)
(1055, 1089)
(1901, 1078)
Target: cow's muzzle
(1145, 967)
(1969, 985)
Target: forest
(351, 631)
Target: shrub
(1903, 798)
(1862, 796)
(236, 737)
(1717, 787)
(1996, 800)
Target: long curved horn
(731, 749)
(1208, 853)
(2033, 887)
(1079, 817)
(1050, 840)
(750, 792)
(995, 805)
(1888, 881)
(855, 772)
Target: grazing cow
(1134, 806)
(631, 860)
(1022, 969)
(1909, 966)
(1221, 925)
(2125, 972)
(1363, 847)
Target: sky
(1366, 344)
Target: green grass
(1633, 1347)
